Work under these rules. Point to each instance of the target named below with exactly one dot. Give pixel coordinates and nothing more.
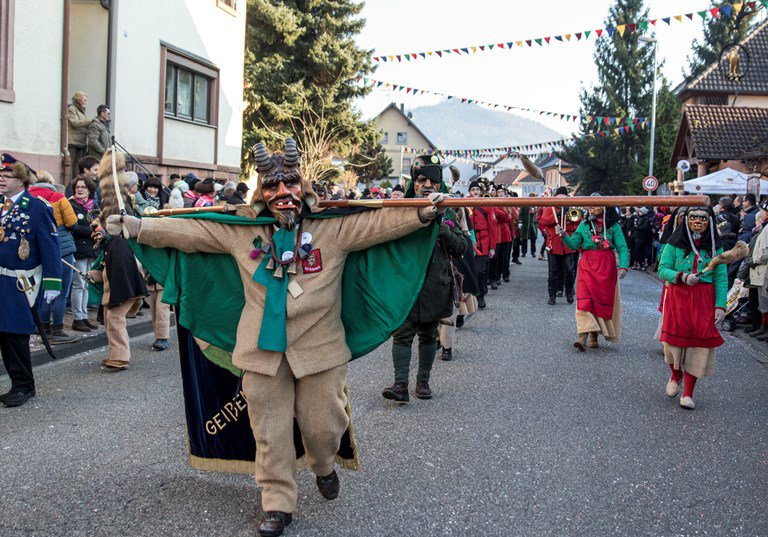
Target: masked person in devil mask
(435, 301)
(290, 338)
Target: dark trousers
(76, 154)
(504, 252)
(515, 249)
(402, 339)
(17, 361)
(481, 269)
(524, 245)
(493, 266)
(562, 273)
(643, 253)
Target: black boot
(58, 336)
(459, 321)
(447, 355)
(423, 391)
(481, 303)
(328, 485)
(273, 523)
(397, 392)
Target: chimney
(402, 108)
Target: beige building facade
(171, 73)
(398, 131)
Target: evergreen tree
(300, 62)
(617, 164)
(718, 33)
(370, 162)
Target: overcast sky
(545, 78)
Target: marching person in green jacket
(598, 297)
(694, 303)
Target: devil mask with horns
(281, 188)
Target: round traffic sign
(650, 183)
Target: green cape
(379, 287)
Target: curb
(41, 357)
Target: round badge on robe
(287, 256)
(306, 237)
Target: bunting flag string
(726, 10)
(583, 118)
(536, 148)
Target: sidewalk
(138, 326)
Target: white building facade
(170, 71)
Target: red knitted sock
(677, 375)
(690, 383)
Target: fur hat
(474, 184)
(181, 186)
(398, 188)
(561, 191)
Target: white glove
(559, 230)
(49, 295)
(131, 223)
(719, 315)
(491, 253)
(436, 198)
(690, 279)
(622, 273)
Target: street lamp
(653, 40)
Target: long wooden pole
(576, 201)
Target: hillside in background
(454, 125)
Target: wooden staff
(576, 201)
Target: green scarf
(272, 334)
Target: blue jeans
(58, 306)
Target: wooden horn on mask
(291, 157)
(263, 163)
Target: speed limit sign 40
(650, 183)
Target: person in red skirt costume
(694, 302)
(598, 298)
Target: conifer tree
(728, 27)
(617, 164)
(300, 63)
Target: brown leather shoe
(581, 342)
(80, 326)
(115, 364)
(593, 344)
(397, 392)
(328, 485)
(90, 325)
(273, 523)
(423, 390)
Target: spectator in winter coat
(77, 130)
(152, 194)
(82, 203)
(749, 212)
(99, 137)
(205, 190)
(65, 220)
(643, 235)
(241, 192)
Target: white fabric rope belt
(15, 273)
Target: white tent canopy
(727, 181)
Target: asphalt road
(525, 436)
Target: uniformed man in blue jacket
(30, 271)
